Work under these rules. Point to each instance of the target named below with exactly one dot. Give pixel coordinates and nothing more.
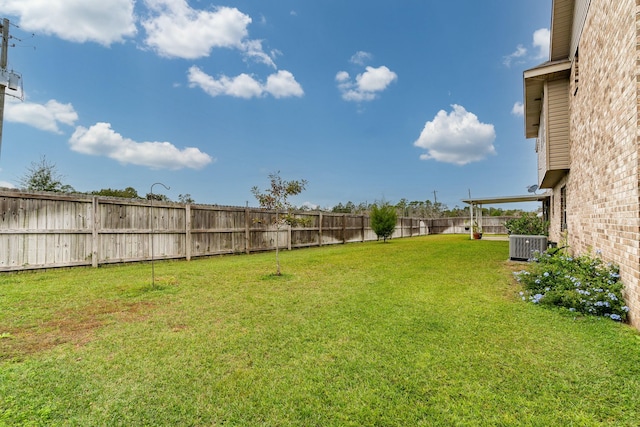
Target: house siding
(603, 199)
(558, 124)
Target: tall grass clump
(584, 284)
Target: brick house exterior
(583, 108)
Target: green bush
(528, 224)
(584, 284)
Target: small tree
(276, 198)
(383, 220)
(43, 176)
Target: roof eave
(507, 199)
(561, 28)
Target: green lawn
(423, 331)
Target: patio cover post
(471, 208)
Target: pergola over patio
(476, 205)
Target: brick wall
(602, 185)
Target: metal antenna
(153, 273)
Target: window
(546, 209)
(563, 208)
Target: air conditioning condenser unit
(522, 247)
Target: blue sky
(366, 100)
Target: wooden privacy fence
(460, 225)
(42, 230)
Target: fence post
(320, 229)
(344, 228)
(187, 238)
(247, 231)
(94, 232)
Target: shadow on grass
(283, 277)
(162, 284)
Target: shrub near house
(528, 224)
(584, 284)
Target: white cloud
(103, 22)
(46, 116)
(6, 184)
(458, 137)
(283, 85)
(241, 86)
(518, 109)
(541, 41)
(101, 140)
(177, 31)
(253, 50)
(375, 79)
(366, 85)
(279, 85)
(520, 52)
(342, 76)
(360, 58)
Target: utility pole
(3, 68)
(7, 78)
(435, 198)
